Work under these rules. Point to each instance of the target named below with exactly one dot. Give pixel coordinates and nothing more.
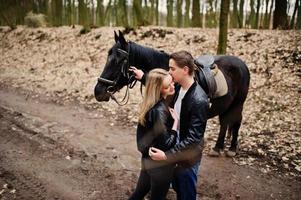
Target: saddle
(210, 77)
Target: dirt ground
(57, 142)
(50, 151)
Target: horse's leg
(233, 148)
(236, 117)
(219, 146)
(220, 105)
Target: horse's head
(115, 74)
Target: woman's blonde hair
(152, 94)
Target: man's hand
(156, 154)
(138, 72)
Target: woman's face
(168, 87)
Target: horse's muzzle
(103, 97)
(100, 93)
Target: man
(191, 104)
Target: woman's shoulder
(159, 108)
(160, 105)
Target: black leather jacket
(193, 119)
(156, 131)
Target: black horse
(229, 107)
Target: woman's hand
(175, 116)
(138, 72)
(156, 154)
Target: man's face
(175, 71)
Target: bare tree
(298, 23)
(266, 15)
(100, 19)
(137, 10)
(256, 25)
(196, 17)
(241, 13)
(169, 12)
(157, 12)
(234, 16)
(294, 14)
(187, 10)
(179, 13)
(223, 27)
(280, 15)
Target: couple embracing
(170, 137)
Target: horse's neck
(146, 58)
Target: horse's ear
(116, 37)
(121, 38)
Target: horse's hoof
(230, 153)
(214, 153)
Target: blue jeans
(185, 182)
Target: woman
(154, 119)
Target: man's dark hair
(184, 58)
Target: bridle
(124, 73)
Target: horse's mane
(147, 58)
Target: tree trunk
(270, 14)
(145, 11)
(137, 8)
(6, 17)
(152, 12)
(241, 14)
(251, 18)
(223, 27)
(121, 17)
(169, 12)
(115, 11)
(108, 12)
(100, 13)
(93, 13)
(256, 24)
(280, 15)
(294, 14)
(211, 15)
(157, 12)
(196, 18)
(179, 13)
(187, 10)
(203, 15)
(298, 23)
(234, 16)
(59, 12)
(82, 13)
(266, 15)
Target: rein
(125, 73)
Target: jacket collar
(177, 90)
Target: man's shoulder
(199, 91)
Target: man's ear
(186, 70)
(116, 37)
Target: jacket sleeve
(155, 133)
(144, 139)
(196, 129)
(166, 137)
